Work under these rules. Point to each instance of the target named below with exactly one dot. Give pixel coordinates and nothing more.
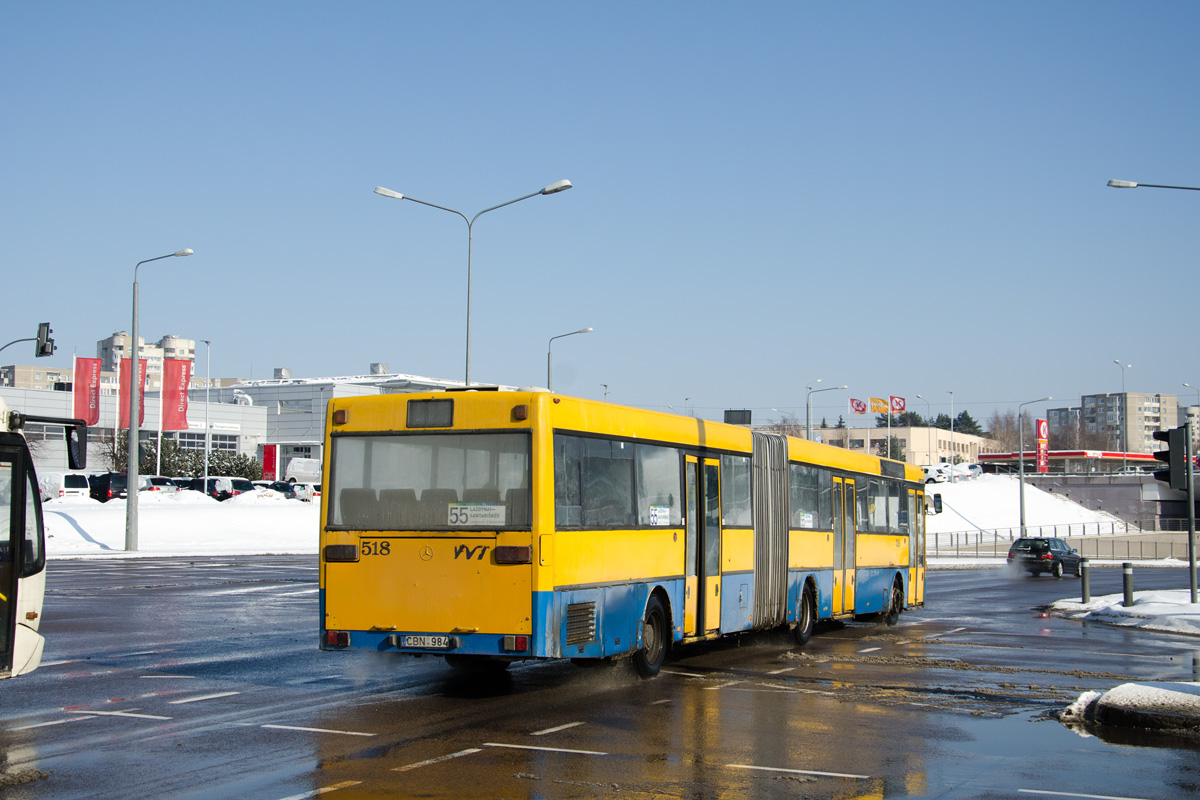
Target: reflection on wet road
(201, 678)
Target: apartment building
(1124, 421)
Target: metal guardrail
(1116, 541)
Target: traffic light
(1175, 456)
(45, 345)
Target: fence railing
(1093, 540)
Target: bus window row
(884, 505)
(611, 483)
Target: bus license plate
(434, 642)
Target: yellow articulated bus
(491, 526)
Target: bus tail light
(514, 554)
(337, 638)
(341, 552)
(516, 644)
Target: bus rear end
(426, 538)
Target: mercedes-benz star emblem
(426, 553)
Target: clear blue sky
(903, 197)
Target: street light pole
(1021, 457)
(550, 355)
(928, 428)
(131, 470)
(1123, 417)
(207, 386)
(953, 476)
(1135, 184)
(554, 188)
(808, 405)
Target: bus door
(702, 570)
(843, 545)
(8, 551)
(916, 548)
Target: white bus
(23, 540)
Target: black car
(108, 486)
(214, 489)
(1038, 555)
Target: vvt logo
(470, 552)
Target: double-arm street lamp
(1021, 455)
(808, 405)
(135, 389)
(554, 188)
(550, 355)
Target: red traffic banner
(879, 405)
(1043, 445)
(87, 390)
(897, 404)
(177, 374)
(857, 406)
(126, 372)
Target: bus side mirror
(937, 504)
(77, 446)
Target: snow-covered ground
(184, 523)
(993, 502)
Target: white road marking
(684, 674)
(190, 677)
(776, 672)
(659, 702)
(551, 730)
(437, 760)
(944, 633)
(546, 749)
(798, 771)
(293, 594)
(868, 650)
(1073, 794)
(141, 653)
(203, 697)
(314, 730)
(55, 722)
(777, 688)
(322, 790)
(708, 688)
(247, 590)
(120, 714)
(65, 661)
(313, 680)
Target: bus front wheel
(806, 618)
(650, 657)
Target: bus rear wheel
(892, 616)
(806, 617)
(648, 660)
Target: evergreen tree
(966, 424)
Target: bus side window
(35, 554)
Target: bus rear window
(435, 481)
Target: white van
(54, 485)
(303, 470)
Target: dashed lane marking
(314, 730)
(778, 671)
(60, 663)
(1073, 794)
(545, 749)
(797, 771)
(120, 714)
(721, 686)
(202, 697)
(868, 650)
(55, 722)
(323, 790)
(438, 760)
(684, 674)
(556, 729)
(189, 677)
(659, 702)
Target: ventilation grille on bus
(581, 622)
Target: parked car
(108, 486)
(157, 483)
(240, 486)
(63, 484)
(1038, 555)
(307, 491)
(937, 473)
(283, 487)
(217, 488)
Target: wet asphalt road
(201, 678)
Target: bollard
(1085, 578)
(1127, 573)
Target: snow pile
(1169, 611)
(1153, 705)
(992, 502)
(184, 523)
